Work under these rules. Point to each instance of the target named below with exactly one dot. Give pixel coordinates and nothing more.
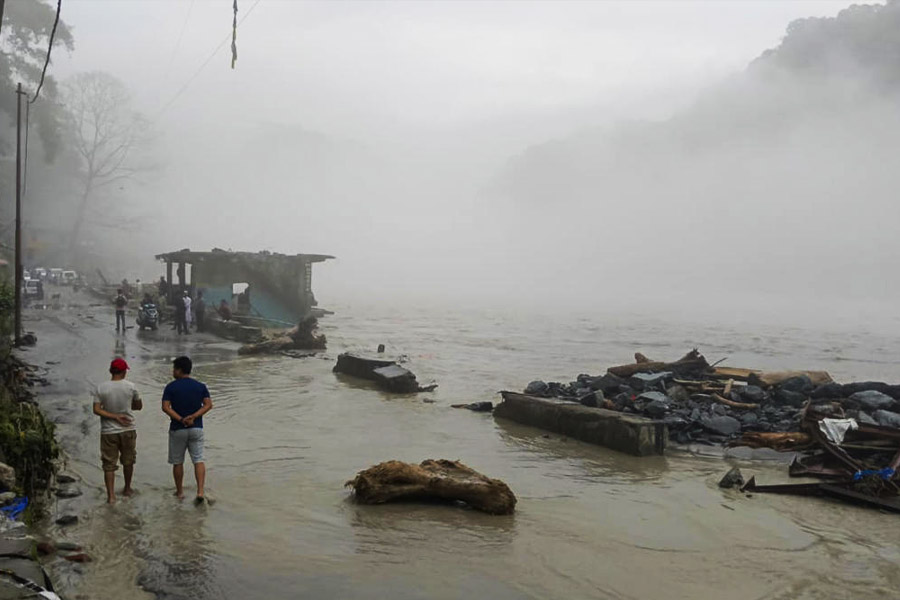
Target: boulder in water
(432, 479)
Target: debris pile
(443, 480)
(858, 461)
(702, 403)
(301, 337)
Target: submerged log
(692, 361)
(432, 479)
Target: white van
(68, 277)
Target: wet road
(285, 434)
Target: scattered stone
(537, 388)
(678, 394)
(606, 383)
(657, 409)
(68, 492)
(68, 546)
(753, 394)
(872, 400)
(829, 390)
(790, 398)
(66, 520)
(644, 381)
(7, 498)
(732, 478)
(800, 383)
(45, 548)
(7, 477)
(81, 557)
(864, 419)
(593, 399)
(848, 389)
(721, 425)
(886, 418)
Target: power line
(178, 43)
(49, 48)
(187, 84)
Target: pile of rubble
(702, 403)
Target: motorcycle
(148, 317)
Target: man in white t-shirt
(115, 403)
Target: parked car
(39, 273)
(55, 276)
(26, 274)
(33, 289)
(68, 277)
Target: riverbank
(28, 464)
(286, 434)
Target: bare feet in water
(128, 492)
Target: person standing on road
(180, 323)
(115, 403)
(185, 401)
(121, 302)
(187, 312)
(200, 311)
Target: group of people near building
(184, 400)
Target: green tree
(24, 37)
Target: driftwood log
(432, 479)
(776, 378)
(690, 362)
(300, 337)
(776, 441)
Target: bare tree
(106, 132)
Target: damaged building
(262, 288)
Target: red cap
(118, 364)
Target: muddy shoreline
(286, 434)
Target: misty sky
(369, 130)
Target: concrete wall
(622, 432)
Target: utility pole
(19, 94)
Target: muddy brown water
(285, 434)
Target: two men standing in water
(185, 400)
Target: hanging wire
(25, 158)
(187, 18)
(234, 37)
(187, 84)
(49, 48)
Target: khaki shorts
(116, 446)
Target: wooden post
(18, 279)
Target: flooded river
(285, 434)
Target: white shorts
(190, 439)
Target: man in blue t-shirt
(186, 400)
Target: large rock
(752, 394)
(848, 389)
(790, 398)
(537, 388)
(721, 425)
(800, 383)
(887, 418)
(870, 400)
(678, 394)
(644, 381)
(606, 383)
(7, 477)
(829, 390)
